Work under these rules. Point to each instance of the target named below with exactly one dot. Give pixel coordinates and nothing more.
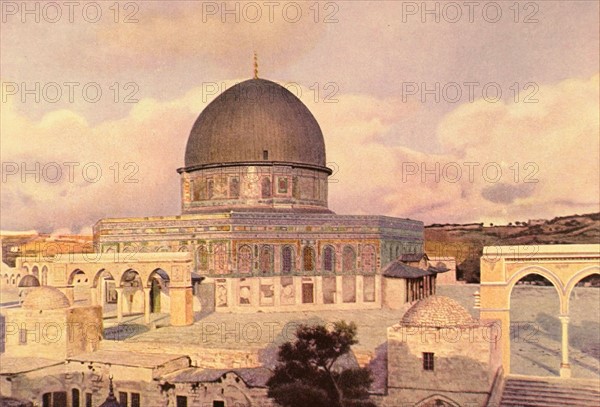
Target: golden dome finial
(255, 65)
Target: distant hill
(41, 245)
(465, 242)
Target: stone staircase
(550, 392)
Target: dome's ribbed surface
(45, 298)
(255, 121)
(438, 312)
(29, 281)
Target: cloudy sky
(443, 112)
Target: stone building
(46, 324)
(439, 355)
(140, 380)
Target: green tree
(307, 374)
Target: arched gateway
(563, 265)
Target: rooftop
(145, 360)
(13, 365)
(253, 377)
(438, 312)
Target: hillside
(43, 246)
(465, 242)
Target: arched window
(368, 259)
(202, 258)
(328, 258)
(75, 398)
(287, 260)
(308, 259)
(245, 259)
(348, 259)
(265, 260)
(266, 187)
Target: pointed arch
(158, 274)
(220, 258)
(202, 258)
(102, 273)
(348, 259)
(308, 258)
(74, 274)
(265, 259)
(287, 260)
(329, 258)
(130, 278)
(580, 275)
(245, 259)
(368, 259)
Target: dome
(29, 281)
(45, 298)
(437, 312)
(255, 121)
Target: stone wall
(464, 364)
(229, 388)
(297, 293)
(394, 292)
(52, 334)
(217, 358)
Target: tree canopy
(307, 374)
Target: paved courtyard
(535, 328)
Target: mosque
(255, 232)
(255, 218)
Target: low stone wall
(217, 358)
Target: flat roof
(10, 365)
(132, 359)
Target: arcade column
(119, 291)
(147, 293)
(182, 312)
(565, 367)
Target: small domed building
(48, 326)
(439, 355)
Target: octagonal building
(255, 217)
